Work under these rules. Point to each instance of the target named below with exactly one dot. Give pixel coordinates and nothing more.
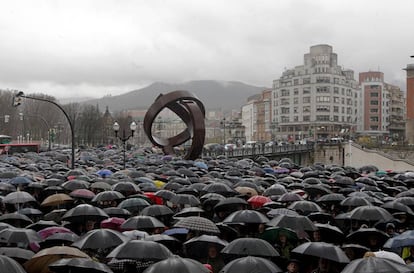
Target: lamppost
(223, 122)
(124, 138)
(17, 99)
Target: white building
(316, 100)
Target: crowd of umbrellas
(166, 214)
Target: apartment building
(383, 106)
(316, 100)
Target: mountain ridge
(226, 95)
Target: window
(306, 80)
(295, 91)
(306, 109)
(285, 110)
(306, 90)
(374, 94)
(295, 100)
(322, 118)
(285, 93)
(336, 118)
(336, 90)
(323, 108)
(284, 101)
(295, 110)
(322, 89)
(373, 119)
(336, 99)
(306, 100)
(306, 118)
(373, 110)
(373, 102)
(336, 109)
(295, 118)
(323, 99)
(285, 119)
(295, 82)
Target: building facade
(316, 100)
(383, 107)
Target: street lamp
(223, 122)
(124, 138)
(17, 100)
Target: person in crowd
(214, 259)
(293, 266)
(325, 266)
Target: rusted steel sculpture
(191, 110)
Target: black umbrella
(79, 265)
(59, 239)
(370, 213)
(41, 224)
(198, 246)
(246, 217)
(176, 264)
(84, 212)
(250, 246)
(75, 184)
(364, 235)
(141, 250)
(322, 250)
(19, 235)
(192, 211)
(100, 239)
(165, 194)
(331, 198)
(231, 204)
(330, 234)
(185, 199)
(142, 222)
(106, 196)
(297, 223)
(134, 205)
(250, 264)
(289, 197)
(157, 210)
(375, 265)
(126, 187)
(355, 201)
(170, 242)
(18, 197)
(281, 211)
(17, 253)
(117, 212)
(305, 207)
(219, 188)
(10, 266)
(396, 206)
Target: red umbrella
(113, 223)
(82, 193)
(154, 198)
(46, 232)
(258, 201)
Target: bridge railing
(263, 150)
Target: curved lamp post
(124, 138)
(17, 99)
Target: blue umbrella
(402, 240)
(20, 180)
(104, 173)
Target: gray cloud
(70, 48)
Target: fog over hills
(214, 94)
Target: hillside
(214, 95)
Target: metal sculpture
(191, 111)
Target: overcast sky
(70, 48)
